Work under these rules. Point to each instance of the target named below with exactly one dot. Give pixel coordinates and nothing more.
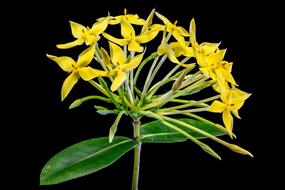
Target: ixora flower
(172, 110)
(77, 69)
(121, 64)
(130, 38)
(85, 34)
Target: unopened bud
(75, 104)
(239, 150)
(177, 84)
(210, 151)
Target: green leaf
(156, 132)
(84, 158)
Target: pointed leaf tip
(84, 158)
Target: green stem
(146, 84)
(192, 103)
(137, 152)
(98, 87)
(169, 78)
(95, 98)
(156, 70)
(152, 56)
(209, 122)
(175, 112)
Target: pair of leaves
(92, 155)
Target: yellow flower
(232, 101)
(129, 35)
(213, 65)
(178, 32)
(122, 65)
(180, 49)
(165, 49)
(204, 49)
(210, 60)
(131, 18)
(87, 35)
(77, 69)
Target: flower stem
(137, 152)
(175, 112)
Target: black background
(40, 125)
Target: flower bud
(239, 150)
(75, 104)
(177, 84)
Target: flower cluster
(122, 64)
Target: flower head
(131, 18)
(129, 36)
(232, 101)
(85, 34)
(121, 64)
(77, 69)
(178, 32)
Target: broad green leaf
(84, 158)
(156, 132)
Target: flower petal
(239, 94)
(177, 48)
(88, 73)
(180, 49)
(225, 92)
(134, 63)
(162, 18)
(64, 62)
(68, 84)
(157, 27)
(236, 105)
(209, 48)
(222, 85)
(119, 79)
(217, 107)
(178, 37)
(189, 52)
(135, 46)
(127, 31)
(91, 39)
(227, 66)
(228, 121)
(134, 19)
(207, 72)
(86, 56)
(100, 26)
(192, 31)
(148, 22)
(235, 112)
(76, 42)
(172, 57)
(117, 54)
(77, 29)
(115, 20)
(164, 48)
(105, 58)
(229, 77)
(218, 56)
(147, 36)
(182, 31)
(118, 41)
